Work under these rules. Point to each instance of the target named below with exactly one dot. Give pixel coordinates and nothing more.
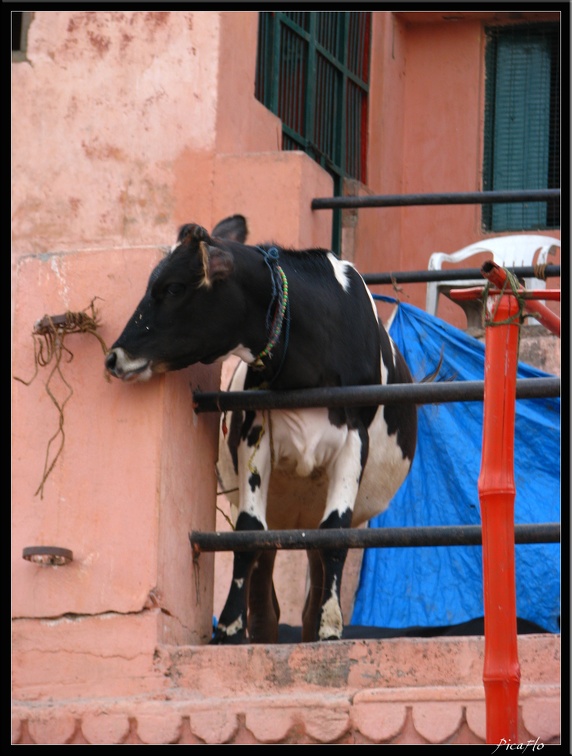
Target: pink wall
(125, 125)
(122, 112)
(112, 109)
(132, 464)
(426, 136)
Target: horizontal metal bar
(363, 396)
(364, 538)
(476, 292)
(460, 274)
(447, 198)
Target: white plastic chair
(508, 251)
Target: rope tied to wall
(49, 336)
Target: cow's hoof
(222, 639)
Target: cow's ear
(233, 228)
(218, 264)
(192, 231)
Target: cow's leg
(253, 456)
(313, 603)
(331, 620)
(231, 627)
(322, 616)
(263, 608)
(343, 484)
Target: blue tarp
(435, 586)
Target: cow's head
(188, 310)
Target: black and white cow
(297, 319)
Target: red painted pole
(540, 311)
(501, 674)
(476, 292)
(498, 276)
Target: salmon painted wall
(124, 126)
(426, 136)
(100, 118)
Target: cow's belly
(304, 444)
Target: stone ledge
(402, 690)
(446, 714)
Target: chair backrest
(508, 251)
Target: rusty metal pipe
(364, 538)
(446, 198)
(451, 274)
(355, 396)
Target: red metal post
(476, 292)
(545, 316)
(501, 674)
(497, 276)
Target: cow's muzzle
(120, 365)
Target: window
(312, 71)
(522, 123)
(20, 21)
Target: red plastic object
(501, 674)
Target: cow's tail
(434, 374)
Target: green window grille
(312, 71)
(522, 123)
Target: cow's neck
(278, 313)
(264, 341)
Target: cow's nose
(110, 361)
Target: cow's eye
(174, 289)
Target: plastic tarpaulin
(435, 586)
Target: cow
(296, 319)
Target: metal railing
(455, 274)
(368, 395)
(352, 396)
(501, 675)
(364, 396)
(364, 538)
(446, 198)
